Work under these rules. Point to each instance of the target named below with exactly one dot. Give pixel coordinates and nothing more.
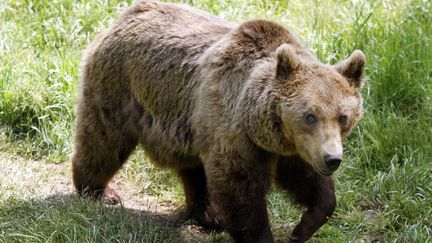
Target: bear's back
(151, 54)
(163, 43)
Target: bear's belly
(168, 144)
(167, 138)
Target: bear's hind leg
(310, 189)
(101, 147)
(197, 199)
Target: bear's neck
(259, 110)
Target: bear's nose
(332, 161)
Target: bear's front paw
(209, 218)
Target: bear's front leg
(238, 187)
(314, 191)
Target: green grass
(68, 219)
(384, 186)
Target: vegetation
(384, 186)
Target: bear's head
(318, 104)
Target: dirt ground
(42, 180)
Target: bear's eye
(343, 120)
(310, 119)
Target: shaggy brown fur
(230, 108)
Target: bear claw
(209, 219)
(111, 197)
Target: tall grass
(385, 185)
(41, 43)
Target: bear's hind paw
(111, 197)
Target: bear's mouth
(321, 170)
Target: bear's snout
(332, 162)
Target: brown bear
(229, 107)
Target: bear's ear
(287, 61)
(353, 68)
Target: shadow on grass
(68, 218)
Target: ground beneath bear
(35, 179)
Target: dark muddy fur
(219, 104)
(306, 187)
